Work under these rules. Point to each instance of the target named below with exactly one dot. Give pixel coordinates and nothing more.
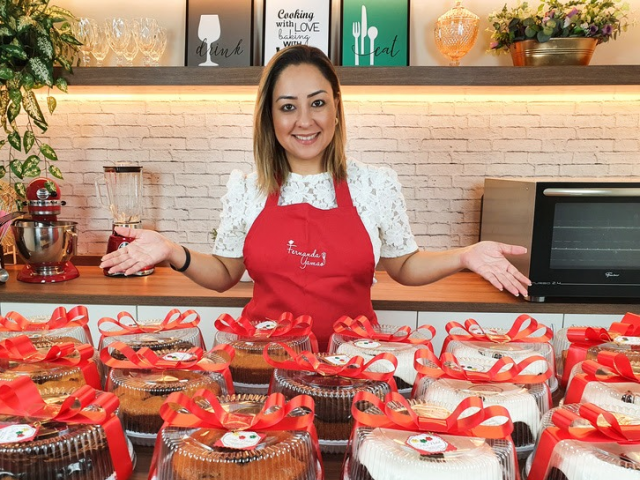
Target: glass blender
(124, 201)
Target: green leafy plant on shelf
(34, 36)
(599, 19)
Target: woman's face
(304, 116)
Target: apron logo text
(313, 259)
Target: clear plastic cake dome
(526, 403)
(389, 454)
(55, 379)
(199, 453)
(142, 392)
(629, 346)
(75, 334)
(578, 460)
(516, 350)
(249, 370)
(160, 342)
(405, 374)
(54, 450)
(333, 396)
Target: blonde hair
(270, 157)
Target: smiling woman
(309, 225)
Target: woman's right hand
(147, 249)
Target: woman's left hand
(487, 259)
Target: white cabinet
(590, 320)
(208, 316)
(96, 312)
(487, 319)
(399, 318)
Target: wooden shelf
(594, 75)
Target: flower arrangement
(599, 19)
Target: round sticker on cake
(267, 325)
(17, 433)
(179, 357)
(366, 344)
(240, 440)
(428, 444)
(337, 359)
(631, 341)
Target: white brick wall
(441, 147)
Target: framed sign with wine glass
(375, 33)
(219, 33)
(294, 22)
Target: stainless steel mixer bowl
(46, 246)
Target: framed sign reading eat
(295, 22)
(219, 33)
(375, 33)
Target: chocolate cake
(142, 392)
(333, 396)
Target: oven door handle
(591, 192)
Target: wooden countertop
(462, 292)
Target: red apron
(309, 261)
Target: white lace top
(376, 193)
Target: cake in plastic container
(51, 376)
(142, 391)
(333, 396)
(159, 342)
(622, 393)
(215, 453)
(390, 454)
(249, 370)
(580, 460)
(44, 327)
(515, 350)
(405, 374)
(55, 450)
(629, 346)
(526, 403)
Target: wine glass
(159, 46)
(84, 31)
(100, 47)
(145, 34)
(118, 33)
(130, 47)
(209, 32)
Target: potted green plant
(34, 36)
(557, 32)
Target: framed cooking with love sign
(219, 33)
(295, 22)
(375, 33)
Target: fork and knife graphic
(360, 32)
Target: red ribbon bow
(449, 367)
(396, 412)
(195, 359)
(517, 333)
(60, 318)
(361, 327)
(67, 354)
(604, 427)
(276, 415)
(628, 326)
(86, 405)
(611, 367)
(128, 325)
(286, 325)
(355, 367)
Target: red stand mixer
(124, 201)
(45, 243)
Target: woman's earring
(337, 121)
